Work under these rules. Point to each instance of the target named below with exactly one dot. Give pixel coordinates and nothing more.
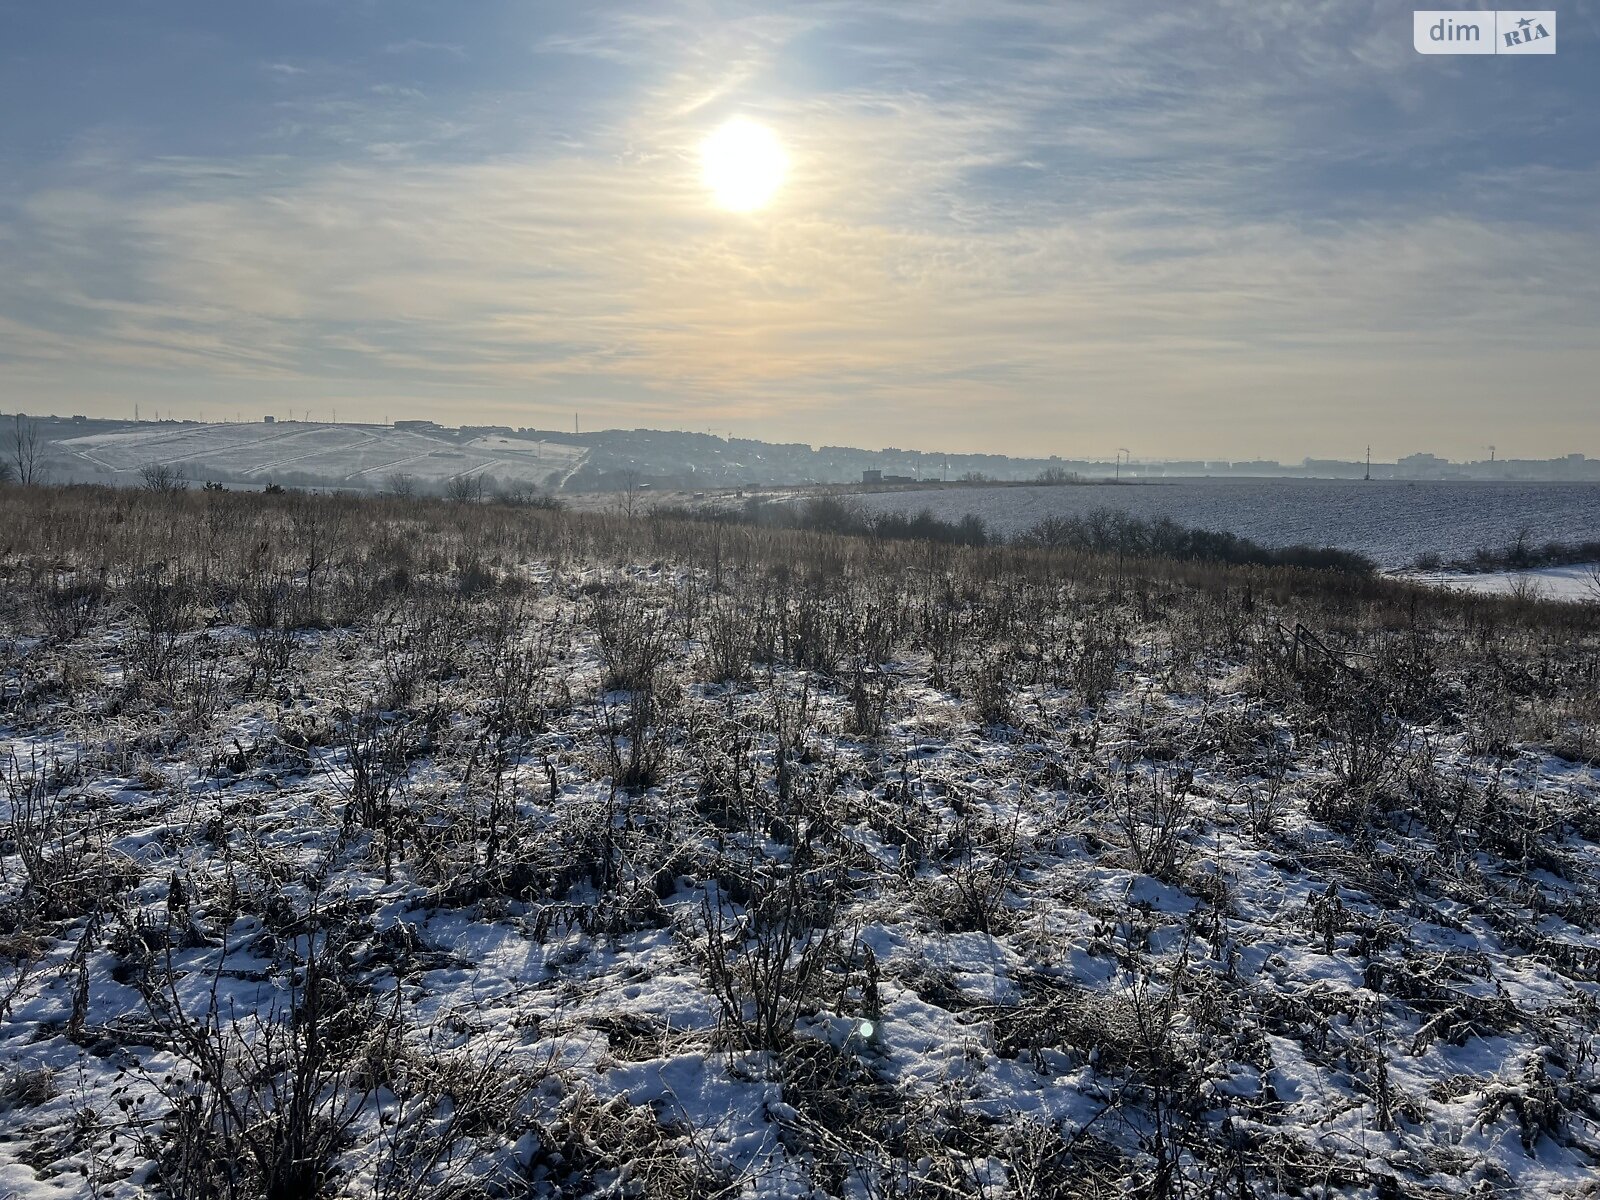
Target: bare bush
(871, 693)
(378, 748)
(465, 489)
(1094, 666)
(69, 605)
(266, 1101)
(69, 868)
(988, 691)
(1155, 818)
(162, 479)
(730, 638)
(164, 605)
(451, 1110)
(764, 963)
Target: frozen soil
(625, 870)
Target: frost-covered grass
(402, 849)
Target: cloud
(1003, 223)
(419, 46)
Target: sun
(743, 164)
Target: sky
(1207, 228)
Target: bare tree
(1521, 555)
(464, 489)
(1525, 588)
(628, 501)
(401, 484)
(162, 478)
(24, 457)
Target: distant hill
(369, 457)
(359, 457)
(366, 457)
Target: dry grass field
(402, 848)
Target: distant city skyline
(1265, 229)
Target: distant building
(417, 426)
(1337, 468)
(1420, 462)
(1424, 466)
(872, 477)
(269, 420)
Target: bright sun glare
(743, 164)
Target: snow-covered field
(348, 455)
(1392, 522)
(476, 854)
(1579, 583)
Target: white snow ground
(1579, 583)
(348, 455)
(1449, 995)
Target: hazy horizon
(1244, 231)
(1294, 460)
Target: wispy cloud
(1004, 222)
(420, 46)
